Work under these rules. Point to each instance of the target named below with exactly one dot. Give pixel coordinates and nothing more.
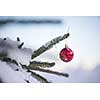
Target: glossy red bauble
(66, 54)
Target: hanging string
(68, 27)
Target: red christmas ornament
(66, 54)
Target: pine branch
(38, 77)
(35, 75)
(36, 65)
(50, 71)
(3, 57)
(41, 64)
(10, 60)
(48, 45)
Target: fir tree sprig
(38, 77)
(35, 68)
(37, 65)
(49, 45)
(41, 64)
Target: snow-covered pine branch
(49, 45)
(13, 56)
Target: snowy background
(84, 41)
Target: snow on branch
(41, 64)
(16, 64)
(49, 45)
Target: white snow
(7, 70)
(10, 48)
(9, 75)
